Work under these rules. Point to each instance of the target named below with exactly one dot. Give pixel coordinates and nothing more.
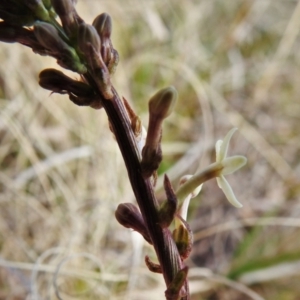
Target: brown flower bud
(103, 25)
(49, 37)
(58, 82)
(87, 35)
(162, 103)
(63, 7)
(129, 216)
(67, 14)
(66, 56)
(110, 56)
(79, 92)
(160, 106)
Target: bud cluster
(77, 46)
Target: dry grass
(234, 63)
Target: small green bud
(163, 102)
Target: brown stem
(163, 243)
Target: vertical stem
(163, 243)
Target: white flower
(191, 185)
(230, 165)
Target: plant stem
(163, 243)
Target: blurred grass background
(234, 64)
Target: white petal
(233, 163)
(224, 185)
(225, 144)
(196, 191)
(183, 209)
(219, 182)
(218, 149)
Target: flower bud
(160, 106)
(79, 92)
(87, 35)
(49, 37)
(58, 82)
(66, 56)
(66, 11)
(129, 216)
(163, 102)
(63, 7)
(110, 56)
(103, 25)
